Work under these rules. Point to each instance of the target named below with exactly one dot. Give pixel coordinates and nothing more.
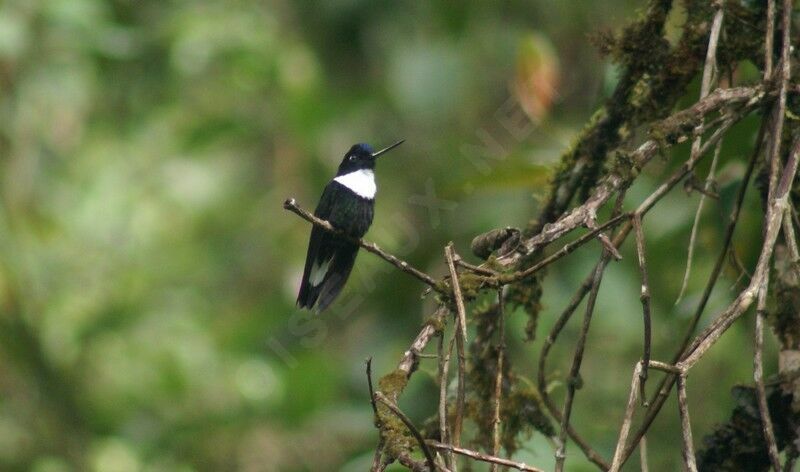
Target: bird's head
(361, 156)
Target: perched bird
(347, 203)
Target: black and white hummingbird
(348, 204)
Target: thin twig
(461, 341)
(643, 462)
(705, 87)
(371, 389)
(377, 460)
(498, 381)
(583, 289)
(645, 299)
(378, 464)
(696, 225)
(790, 238)
(664, 367)
(616, 462)
(450, 255)
(444, 366)
(758, 377)
(291, 205)
(577, 359)
(780, 106)
(686, 426)
(477, 269)
(769, 39)
(413, 429)
(479, 456)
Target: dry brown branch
(477, 269)
(577, 359)
(709, 70)
(498, 381)
(616, 462)
(444, 366)
(645, 299)
(377, 460)
(371, 389)
(780, 107)
(478, 456)
(686, 426)
(664, 367)
(291, 205)
(666, 384)
(461, 341)
(644, 464)
(790, 238)
(768, 40)
(584, 288)
(775, 212)
(450, 256)
(758, 377)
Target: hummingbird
(348, 204)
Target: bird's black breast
(347, 210)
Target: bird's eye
(352, 157)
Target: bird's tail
(319, 297)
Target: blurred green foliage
(148, 272)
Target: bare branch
(708, 72)
(790, 237)
(498, 381)
(643, 462)
(584, 288)
(371, 389)
(645, 299)
(758, 377)
(572, 379)
(769, 39)
(686, 426)
(484, 457)
(616, 462)
(461, 341)
(450, 256)
(780, 107)
(776, 211)
(444, 365)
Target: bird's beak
(376, 154)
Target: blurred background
(148, 271)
